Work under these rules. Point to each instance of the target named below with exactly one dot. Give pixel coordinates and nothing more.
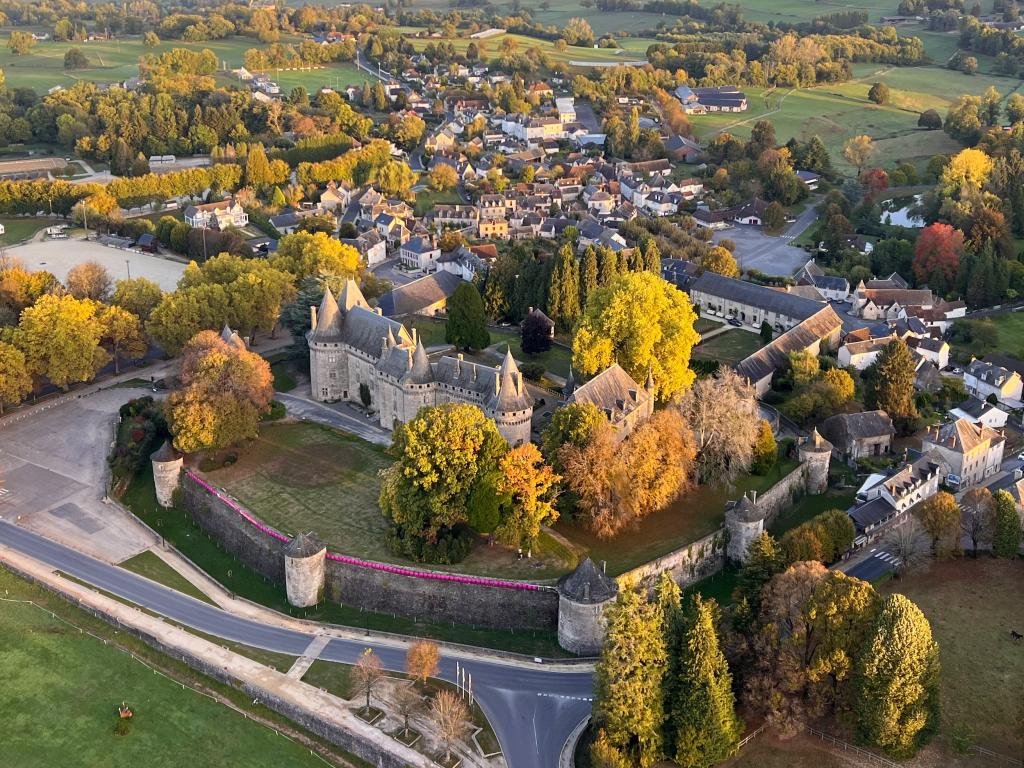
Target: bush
(533, 371)
(452, 545)
(142, 430)
(276, 411)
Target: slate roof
(304, 545)
(844, 428)
(760, 296)
(990, 373)
(613, 391)
(419, 294)
(587, 584)
(962, 436)
(165, 453)
(1009, 362)
(775, 355)
(871, 513)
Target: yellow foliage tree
(530, 484)
(967, 170)
(123, 332)
(720, 261)
(15, 380)
(60, 337)
(304, 254)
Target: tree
(897, 701)
(604, 755)
(764, 561)
(766, 333)
(150, 39)
(774, 216)
(628, 678)
(977, 520)
(367, 673)
(467, 325)
(421, 660)
(892, 387)
(705, 722)
(535, 332)
(1015, 108)
(720, 261)
(766, 451)
(60, 338)
(588, 275)
(20, 43)
(723, 414)
(15, 379)
(137, 295)
(804, 368)
(441, 454)
(879, 93)
(940, 516)
(564, 291)
(858, 151)
(573, 424)
(408, 702)
(659, 455)
(75, 59)
(450, 716)
(443, 177)
(644, 324)
(225, 390)
(908, 544)
(257, 167)
(930, 119)
(305, 254)
(1007, 534)
(123, 332)
(396, 179)
(89, 280)
(530, 486)
(182, 314)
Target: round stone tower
(167, 464)
(583, 597)
(815, 455)
(305, 560)
(744, 522)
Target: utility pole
(128, 266)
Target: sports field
(632, 50)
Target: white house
(982, 379)
(226, 213)
(933, 350)
(980, 412)
(419, 253)
(861, 354)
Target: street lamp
(128, 266)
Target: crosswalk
(887, 557)
(4, 492)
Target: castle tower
(324, 340)
(512, 406)
(583, 597)
(305, 559)
(815, 455)
(744, 522)
(167, 464)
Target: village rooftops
(753, 295)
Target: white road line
(560, 696)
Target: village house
(859, 435)
(882, 499)
(219, 216)
(370, 245)
(751, 304)
(721, 98)
(972, 451)
(493, 229)
(980, 412)
(419, 253)
(862, 354)
(935, 351)
(832, 287)
(426, 296)
(982, 379)
(624, 403)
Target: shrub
(451, 546)
(277, 411)
(533, 371)
(142, 430)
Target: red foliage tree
(875, 182)
(937, 256)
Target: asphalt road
(870, 568)
(532, 710)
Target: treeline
(281, 55)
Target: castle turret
(167, 464)
(305, 561)
(512, 406)
(744, 522)
(583, 597)
(324, 338)
(816, 454)
(570, 386)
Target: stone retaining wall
(371, 589)
(782, 494)
(691, 563)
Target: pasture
(632, 50)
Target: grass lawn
(426, 199)
(429, 329)
(336, 75)
(800, 752)
(729, 347)
(705, 324)
(62, 688)
(972, 606)
(183, 533)
(284, 377)
(718, 586)
(330, 676)
(809, 506)
(17, 228)
(556, 360)
(152, 567)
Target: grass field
(152, 567)
(338, 75)
(729, 347)
(426, 199)
(634, 49)
(62, 688)
(972, 606)
(807, 507)
(556, 360)
(17, 229)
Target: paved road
(338, 415)
(532, 710)
(771, 255)
(876, 565)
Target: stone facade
(687, 564)
(304, 562)
(355, 351)
(815, 456)
(167, 465)
(584, 596)
(745, 522)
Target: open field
(152, 567)
(972, 606)
(59, 256)
(634, 49)
(19, 228)
(336, 75)
(728, 347)
(62, 689)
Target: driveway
(388, 270)
(339, 415)
(771, 255)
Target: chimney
(586, 591)
(529, 310)
(753, 497)
(312, 318)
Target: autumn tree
(909, 544)
(937, 256)
(879, 93)
(421, 660)
(224, 391)
(530, 486)
(940, 516)
(257, 167)
(1007, 534)
(535, 332)
(892, 385)
(723, 415)
(15, 379)
(644, 324)
(450, 717)
(306, 254)
(443, 177)
(858, 151)
(766, 451)
(60, 338)
(628, 679)
(897, 680)
(573, 424)
(977, 516)
(122, 331)
(366, 675)
(137, 295)
(659, 456)
(20, 43)
(89, 280)
(720, 261)
(408, 702)
(183, 313)
(466, 327)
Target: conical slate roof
(587, 584)
(165, 453)
(745, 510)
(816, 443)
(304, 545)
(351, 296)
(328, 320)
(512, 395)
(420, 372)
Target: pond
(902, 212)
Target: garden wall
(376, 589)
(782, 494)
(697, 560)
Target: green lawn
(337, 75)
(635, 51)
(557, 360)
(61, 690)
(183, 533)
(152, 567)
(284, 376)
(426, 199)
(972, 606)
(1010, 337)
(705, 324)
(729, 347)
(809, 506)
(17, 229)
(429, 329)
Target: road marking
(562, 696)
(4, 492)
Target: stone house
(982, 379)
(972, 451)
(980, 412)
(882, 499)
(419, 253)
(624, 403)
(859, 435)
(862, 354)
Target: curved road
(532, 710)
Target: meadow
(632, 50)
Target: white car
(1020, 456)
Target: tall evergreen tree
(707, 729)
(257, 167)
(1006, 539)
(609, 261)
(628, 678)
(897, 701)
(652, 257)
(564, 289)
(588, 275)
(670, 601)
(893, 385)
(467, 324)
(764, 560)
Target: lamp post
(128, 266)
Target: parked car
(733, 321)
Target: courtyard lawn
(705, 324)
(556, 360)
(62, 688)
(729, 347)
(18, 229)
(809, 506)
(972, 606)
(152, 567)
(426, 199)
(429, 329)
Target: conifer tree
(764, 560)
(257, 167)
(609, 261)
(467, 324)
(628, 679)
(588, 275)
(766, 451)
(893, 385)
(1006, 539)
(652, 257)
(707, 729)
(897, 701)
(564, 290)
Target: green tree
(764, 560)
(705, 722)
(652, 257)
(628, 679)
(15, 379)
(257, 167)
(766, 451)
(879, 93)
(564, 292)
(150, 39)
(467, 324)
(138, 295)
(60, 337)
(1006, 539)
(572, 424)
(766, 333)
(20, 43)
(644, 324)
(182, 314)
(892, 386)
(306, 254)
(588, 275)
(898, 675)
(535, 334)
(74, 58)
(122, 331)
(609, 261)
